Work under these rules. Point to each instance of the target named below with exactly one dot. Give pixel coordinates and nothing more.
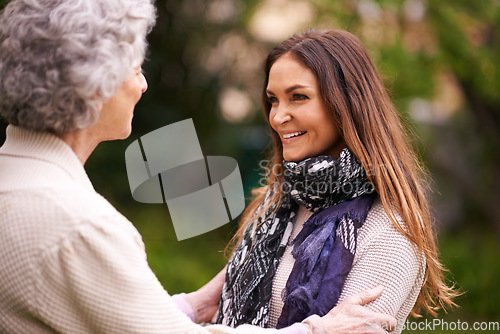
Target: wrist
(308, 328)
(193, 300)
(184, 305)
(315, 325)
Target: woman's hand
(351, 317)
(205, 301)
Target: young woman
(344, 208)
(70, 77)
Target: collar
(46, 147)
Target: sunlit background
(440, 62)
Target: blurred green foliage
(439, 60)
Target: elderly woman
(70, 77)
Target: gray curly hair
(60, 59)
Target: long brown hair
(367, 119)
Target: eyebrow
(289, 89)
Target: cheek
(132, 89)
(326, 130)
(135, 92)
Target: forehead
(288, 71)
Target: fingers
(350, 316)
(374, 331)
(353, 319)
(391, 321)
(205, 300)
(378, 322)
(365, 296)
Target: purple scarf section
(323, 260)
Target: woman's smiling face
(298, 113)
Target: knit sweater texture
(384, 256)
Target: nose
(280, 115)
(144, 83)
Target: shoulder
(382, 244)
(378, 225)
(55, 231)
(38, 219)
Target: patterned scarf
(340, 195)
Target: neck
(82, 142)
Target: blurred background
(439, 60)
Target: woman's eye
(272, 99)
(299, 97)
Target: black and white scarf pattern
(316, 183)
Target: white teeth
(294, 134)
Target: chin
(120, 136)
(294, 157)
(127, 130)
(126, 134)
